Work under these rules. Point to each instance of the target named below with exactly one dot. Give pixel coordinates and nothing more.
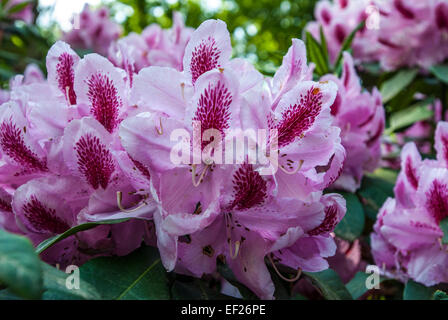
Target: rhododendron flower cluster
(397, 32)
(360, 115)
(153, 47)
(95, 142)
(93, 30)
(407, 238)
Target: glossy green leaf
(417, 291)
(397, 83)
(324, 46)
(298, 296)
(56, 288)
(357, 285)
(196, 290)
(440, 295)
(6, 294)
(316, 55)
(20, 267)
(407, 117)
(352, 225)
(441, 72)
(44, 245)
(375, 189)
(329, 284)
(444, 226)
(19, 7)
(138, 276)
(347, 44)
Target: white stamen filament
(299, 271)
(234, 253)
(67, 95)
(182, 86)
(196, 183)
(160, 132)
(120, 205)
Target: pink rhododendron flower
(211, 209)
(153, 47)
(96, 31)
(407, 238)
(338, 19)
(360, 115)
(152, 137)
(62, 133)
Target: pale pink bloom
(153, 47)
(407, 239)
(360, 116)
(96, 30)
(208, 210)
(398, 33)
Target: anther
(293, 171)
(182, 86)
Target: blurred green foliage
(261, 30)
(21, 44)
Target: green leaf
(330, 284)
(405, 118)
(4, 2)
(298, 296)
(375, 189)
(44, 245)
(347, 44)
(440, 295)
(324, 46)
(417, 291)
(195, 290)
(19, 7)
(138, 276)
(397, 83)
(352, 225)
(441, 72)
(55, 287)
(7, 295)
(20, 267)
(357, 285)
(316, 55)
(444, 226)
